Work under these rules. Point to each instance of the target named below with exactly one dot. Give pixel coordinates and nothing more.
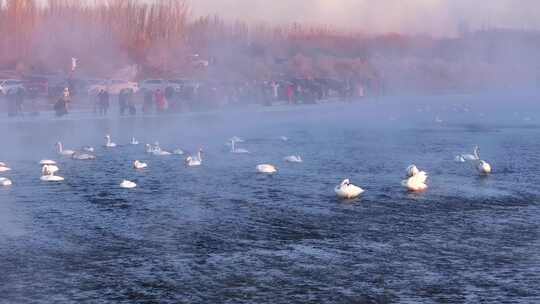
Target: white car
(10, 84)
(154, 84)
(113, 86)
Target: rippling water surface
(223, 234)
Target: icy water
(222, 233)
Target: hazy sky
(437, 17)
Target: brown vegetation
(162, 40)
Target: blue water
(222, 233)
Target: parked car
(153, 84)
(8, 84)
(36, 85)
(176, 84)
(113, 86)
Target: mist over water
(223, 233)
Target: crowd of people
(193, 96)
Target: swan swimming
(61, 151)
(266, 169)
(416, 179)
(82, 156)
(127, 184)
(194, 161)
(134, 141)
(481, 166)
(156, 150)
(4, 167)
(47, 162)
(139, 165)
(109, 143)
(237, 150)
(5, 182)
(48, 174)
(293, 159)
(236, 139)
(346, 190)
(178, 152)
(412, 170)
(88, 149)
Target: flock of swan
(415, 179)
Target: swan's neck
(60, 148)
(476, 152)
(199, 155)
(232, 146)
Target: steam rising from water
(439, 17)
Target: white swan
(266, 169)
(48, 174)
(468, 157)
(284, 138)
(5, 182)
(88, 149)
(293, 159)
(237, 150)
(83, 156)
(236, 139)
(134, 141)
(109, 143)
(127, 184)
(156, 150)
(4, 167)
(346, 190)
(61, 151)
(194, 161)
(178, 152)
(412, 170)
(483, 167)
(139, 165)
(47, 162)
(416, 182)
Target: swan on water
(156, 150)
(109, 143)
(412, 170)
(178, 152)
(346, 190)
(127, 184)
(88, 149)
(134, 141)
(61, 151)
(47, 162)
(139, 165)
(481, 166)
(48, 174)
(4, 167)
(236, 139)
(416, 179)
(468, 157)
(5, 182)
(237, 150)
(284, 138)
(266, 168)
(293, 159)
(83, 156)
(193, 161)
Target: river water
(222, 233)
